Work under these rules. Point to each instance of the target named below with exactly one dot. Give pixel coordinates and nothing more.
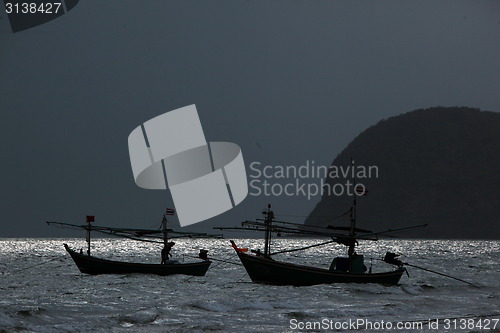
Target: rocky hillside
(439, 166)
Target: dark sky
(288, 81)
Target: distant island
(439, 166)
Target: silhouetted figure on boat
(203, 254)
(391, 258)
(164, 255)
(257, 252)
(165, 252)
(351, 242)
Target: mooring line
(39, 264)
(227, 262)
(241, 278)
(189, 278)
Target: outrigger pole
(391, 258)
(438, 273)
(338, 239)
(136, 234)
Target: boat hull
(92, 265)
(269, 271)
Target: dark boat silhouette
(90, 264)
(262, 268)
(267, 270)
(93, 265)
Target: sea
(41, 290)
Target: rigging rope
(329, 216)
(227, 262)
(304, 248)
(191, 277)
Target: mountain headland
(439, 166)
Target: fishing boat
(263, 268)
(90, 264)
(93, 265)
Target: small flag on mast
(90, 218)
(361, 190)
(170, 211)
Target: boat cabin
(354, 264)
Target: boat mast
(353, 213)
(88, 237)
(351, 242)
(269, 219)
(88, 228)
(165, 231)
(164, 222)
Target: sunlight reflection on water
(43, 291)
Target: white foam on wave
(254, 305)
(374, 289)
(139, 317)
(232, 306)
(412, 290)
(211, 306)
(287, 304)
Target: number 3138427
(32, 8)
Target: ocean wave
(58, 298)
